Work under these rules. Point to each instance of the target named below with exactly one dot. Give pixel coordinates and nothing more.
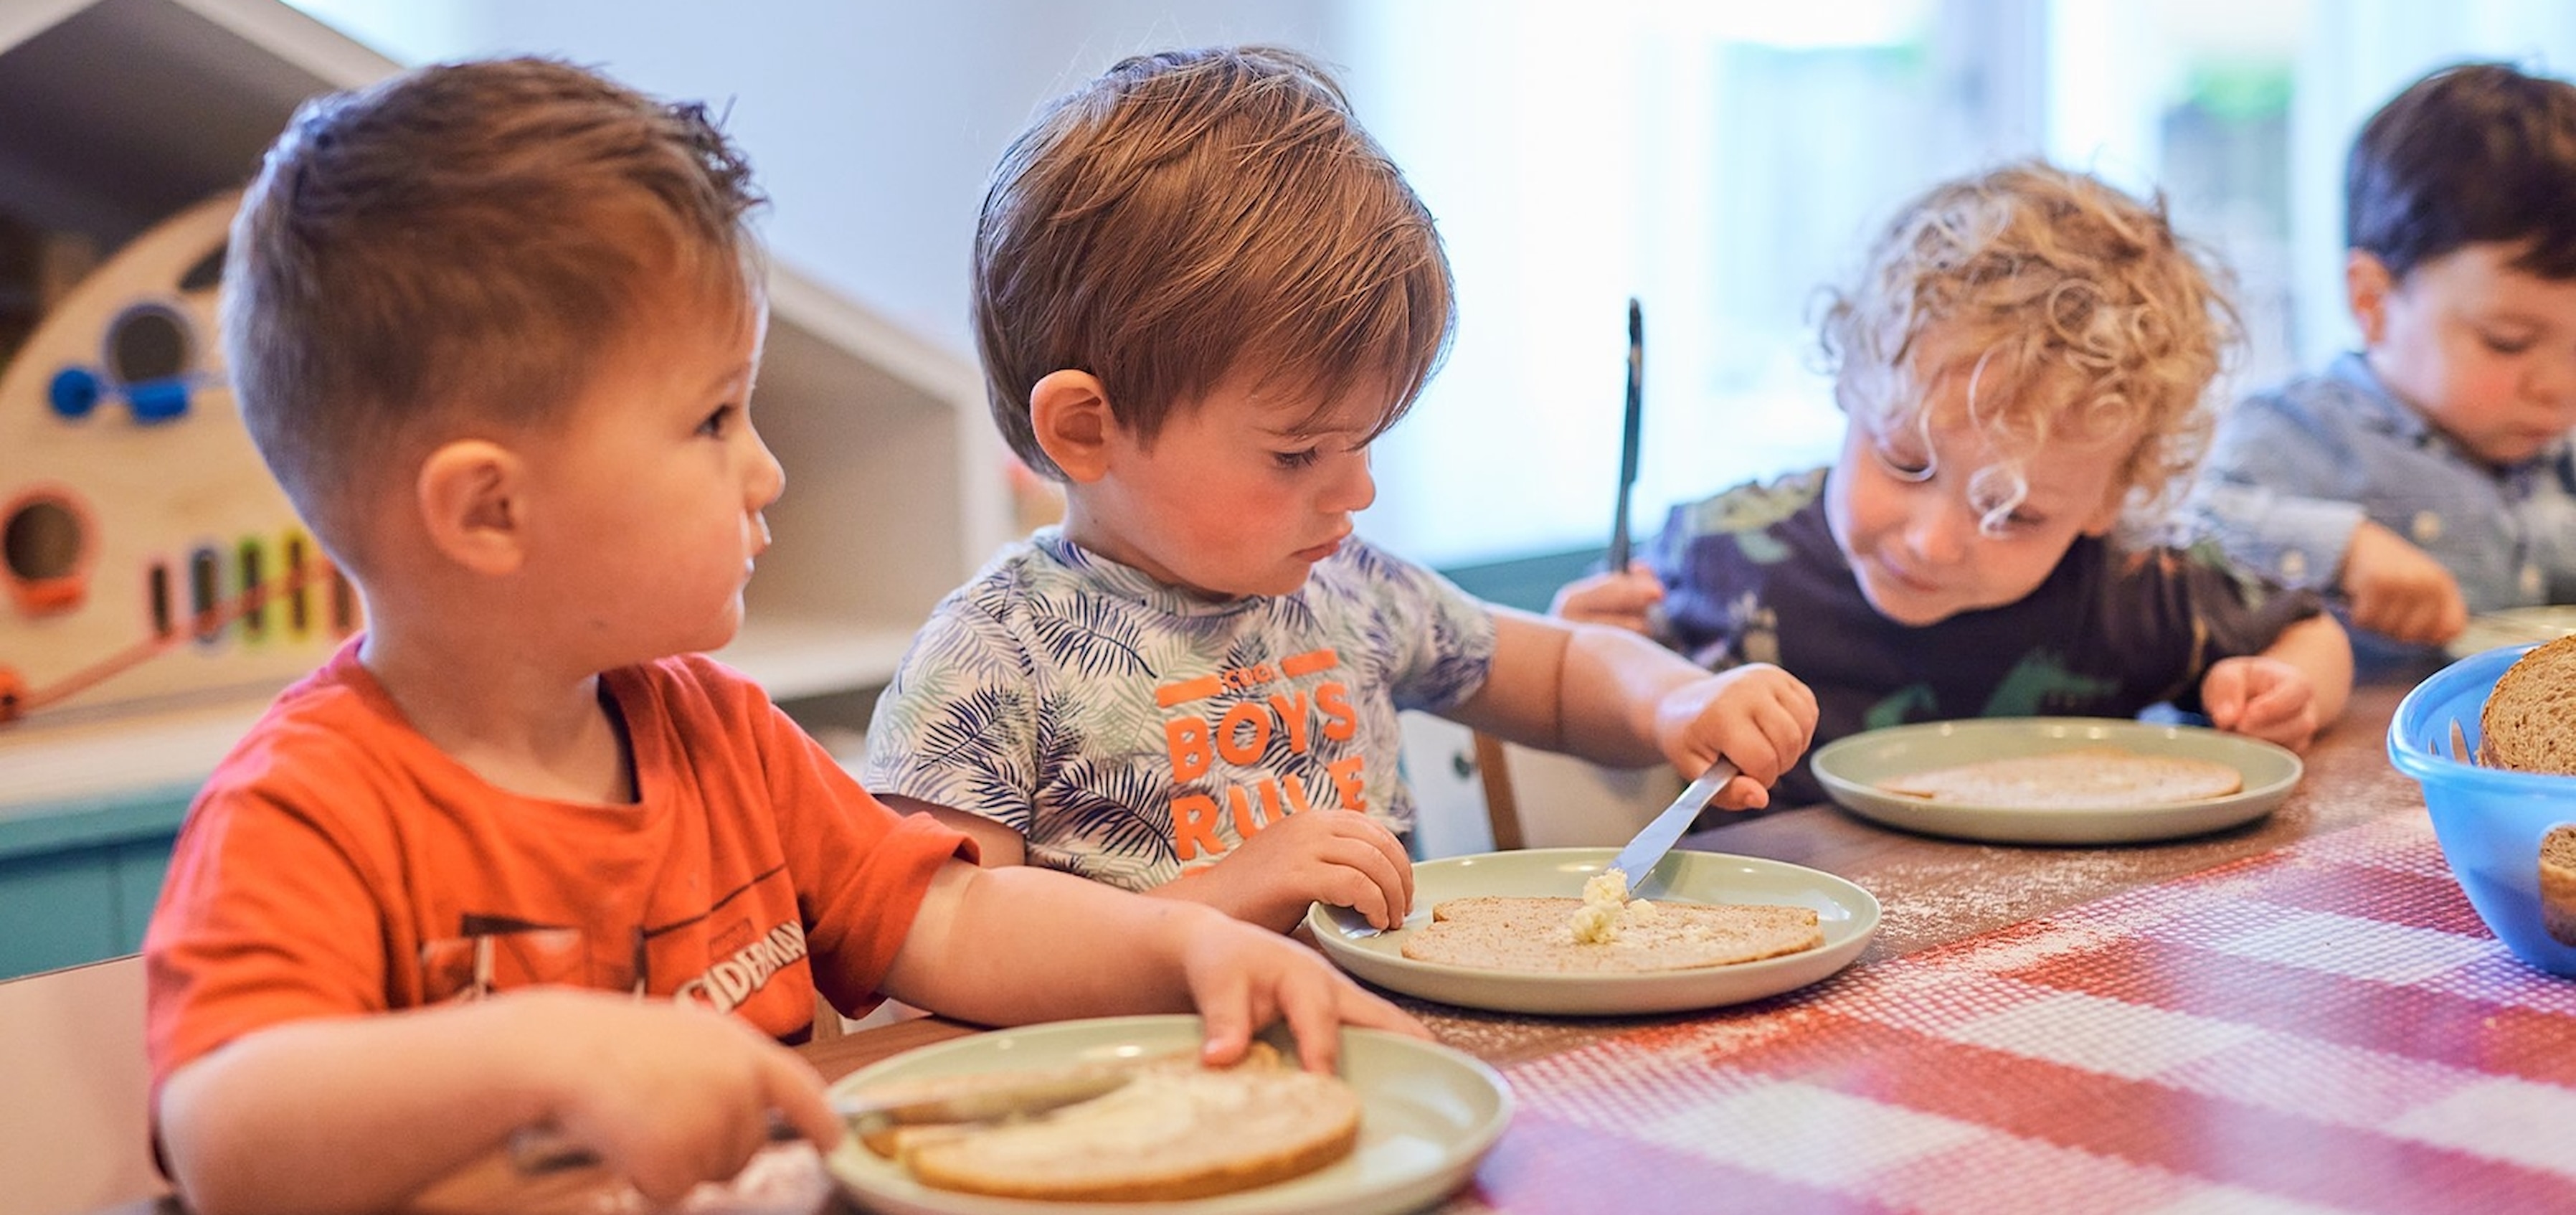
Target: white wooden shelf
(122, 112)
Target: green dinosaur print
(2040, 683)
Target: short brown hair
(2086, 314)
(458, 246)
(1196, 214)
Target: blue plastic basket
(2488, 820)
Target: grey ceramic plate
(1428, 1114)
(2513, 626)
(1847, 914)
(1851, 768)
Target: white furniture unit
(117, 113)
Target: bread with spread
(1497, 932)
(2079, 779)
(1175, 1130)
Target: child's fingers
(1225, 1015)
(1743, 793)
(1401, 863)
(2222, 694)
(1357, 1007)
(796, 1093)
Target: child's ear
(2366, 284)
(472, 504)
(1070, 412)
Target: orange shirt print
(1242, 734)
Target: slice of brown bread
(2085, 778)
(1495, 932)
(2529, 723)
(1172, 1132)
(2558, 883)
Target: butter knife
(538, 1150)
(1647, 849)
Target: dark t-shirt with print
(1753, 575)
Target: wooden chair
(74, 1090)
(1539, 799)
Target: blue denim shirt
(2292, 472)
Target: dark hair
(2471, 154)
(458, 246)
(1198, 214)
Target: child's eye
(2504, 345)
(1903, 468)
(1296, 459)
(717, 423)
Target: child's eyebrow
(739, 373)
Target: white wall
(873, 125)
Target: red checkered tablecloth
(2327, 1027)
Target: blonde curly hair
(2081, 315)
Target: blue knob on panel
(73, 393)
(158, 400)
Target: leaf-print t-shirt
(1132, 731)
(1753, 575)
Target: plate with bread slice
(1401, 1127)
(1554, 931)
(2056, 780)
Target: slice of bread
(1174, 1131)
(2085, 778)
(1495, 932)
(2558, 883)
(2529, 723)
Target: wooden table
(2301, 1014)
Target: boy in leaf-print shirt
(1183, 724)
(1201, 292)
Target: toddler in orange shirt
(516, 856)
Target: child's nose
(1355, 488)
(2552, 381)
(1939, 530)
(768, 478)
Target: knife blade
(1647, 848)
(1631, 422)
(542, 1149)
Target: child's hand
(667, 1094)
(1757, 715)
(2398, 591)
(2263, 698)
(1341, 857)
(1623, 600)
(1242, 978)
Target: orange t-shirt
(338, 862)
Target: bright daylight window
(1724, 162)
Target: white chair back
(74, 1090)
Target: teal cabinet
(77, 883)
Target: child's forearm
(1588, 690)
(1612, 686)
(347, 1114)
(2318, 647)
(1012, 946)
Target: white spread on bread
(1494, 932)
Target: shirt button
(2427, 527)
(2294, 565)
